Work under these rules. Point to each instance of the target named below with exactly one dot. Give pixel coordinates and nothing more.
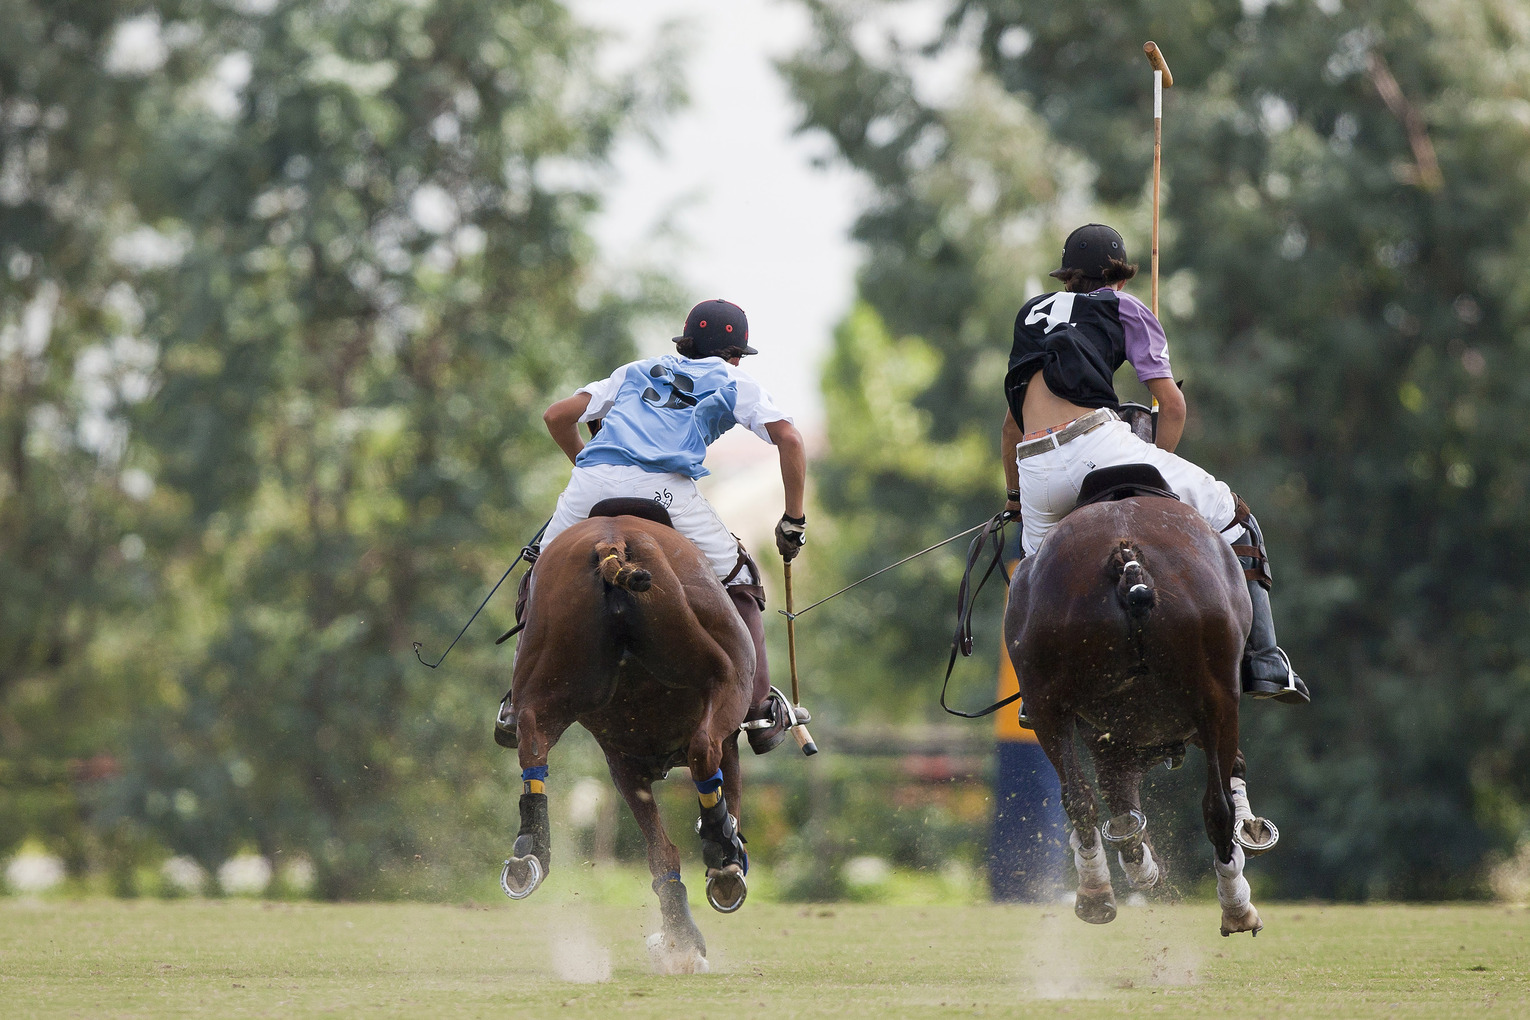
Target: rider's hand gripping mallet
(1162, 79)
(799, 730)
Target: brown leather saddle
(1122, 481)
(632, 506)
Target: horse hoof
(521, 877)
(667, 956)
(1095, 909)
(1246, 920)
(1123, 833)
(726, 888)
(1256, 836)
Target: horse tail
(1134, 585)
(617, 570)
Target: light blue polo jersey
(661, 414)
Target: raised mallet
(1162, 79)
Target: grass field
(240, 958)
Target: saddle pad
(632, 506)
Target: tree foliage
(352, 265)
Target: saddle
(1123, 481)
(632, 506)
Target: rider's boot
(504, 719)
(1267, 671)
(769, 719)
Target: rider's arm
(1011, 436)
(793, 463)
(1171, 412)
(562, 421)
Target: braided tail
(1134, 585)
(619, 572)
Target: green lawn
(237, 958)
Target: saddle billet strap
(961, 641)
(744, 560)
(1243, 517)
(752, 587)
(1260, 571)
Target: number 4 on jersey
(1056, 309)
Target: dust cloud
(1068, 959)
(578, 954)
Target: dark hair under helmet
(716, 326)
(1089, 250)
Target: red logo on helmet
(702, 324)
(729, 327)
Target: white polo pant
(1050, 482)
(691, 514)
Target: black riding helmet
(716, 326)
(1090, 249)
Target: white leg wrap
(1094, 869)
(1232, 888)
(1143, 875)
(1241, 811)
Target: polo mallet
(1162, 79)
(799, 730)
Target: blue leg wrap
(537, 772)
(711, 785)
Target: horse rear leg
(1120, 779)
(678, 947)
(530, 859)
(1219, 738)
(1095, 901)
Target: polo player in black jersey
(1061, 424)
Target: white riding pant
(688, 510)
(1050, 482)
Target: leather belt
(1069, 432)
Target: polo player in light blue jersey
(652, 421)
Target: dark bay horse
(1126, 629)
(629, 633)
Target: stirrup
(1292, 692)
(778, 716)
(505, 734)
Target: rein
(966, 599)
(915, 556)
(417, 645)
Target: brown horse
(629, 633)
(1126, 628)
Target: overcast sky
(761, 227)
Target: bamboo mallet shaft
(1162, 79)
(799, 730)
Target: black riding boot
(769, 719)
(1267, 671)
(504, 719)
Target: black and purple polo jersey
(1077, 341)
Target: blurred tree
(1345, 213)
(384, 274)
(77, 97)
(341, 249)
